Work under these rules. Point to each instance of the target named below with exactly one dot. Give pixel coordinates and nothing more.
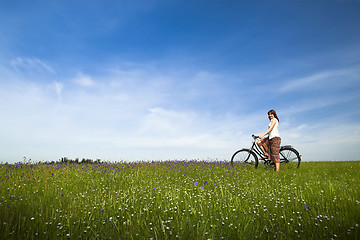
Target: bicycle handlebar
(254, 136)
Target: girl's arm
(272, 125)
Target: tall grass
(179, 200)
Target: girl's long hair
(272, 111)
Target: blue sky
(158, 80)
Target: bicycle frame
(255, 148)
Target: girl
(270, 145)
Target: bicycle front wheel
(289, 158)
(244, 157)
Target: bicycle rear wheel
(244, 157)
(289, 158)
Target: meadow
(179, 200)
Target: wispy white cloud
(26, 65)
(159, 121)
(316, 103)
(322, 79)
(84, 80)
(58, 87)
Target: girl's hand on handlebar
(261, 136)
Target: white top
(275, 131)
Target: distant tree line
(77, 160)
(62, 160)
(65, 160)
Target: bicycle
(289, 156)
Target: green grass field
(179, 200)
